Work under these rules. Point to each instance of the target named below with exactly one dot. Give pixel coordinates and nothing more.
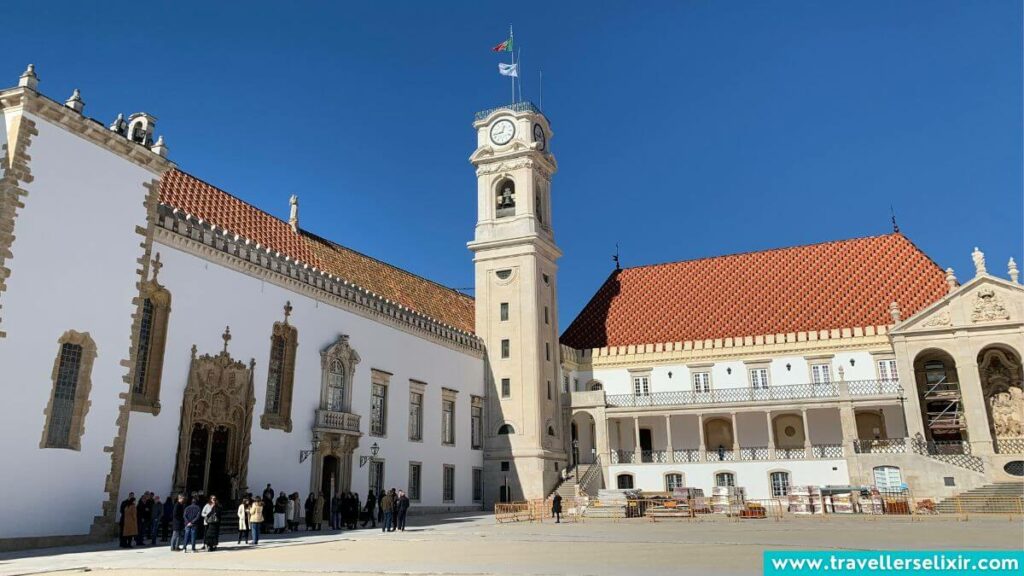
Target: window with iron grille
(476, 423)
(673, 480)
(145, 338)
(414, 480)
(448, 487)
(448, 422)
(378, 409)
(415, 416)
(149, 347)
(759, 378)
(725, 479)
(478, 484)
(780, 484)
(64, 396)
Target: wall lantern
(669, 374)
(788, 367)
(374, 450)
(852, 361)
(304, 454)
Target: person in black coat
(402, 509)
(178, 523)
(556, 507)
(370, 509)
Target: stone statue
(1008, 413)
(979, 261)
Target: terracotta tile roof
(189, 194)
(842, 284)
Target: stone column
(973, 399)
(807, 433)
(735, 438)
(848, 421)
(636, 447)
(908, 382)
(771, 434)
(668, 435)
(702, 448)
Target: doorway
(329, 476)
(207, 462)
(646, 445)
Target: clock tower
(516, 306)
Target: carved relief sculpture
(1001, 384)
(1007, 408)
(940, 319)
(988, 307)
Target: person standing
(293, 512)
(211, 518)
(280, 513)
(336, 512)
(178, 523)
(158, 519)
(556, 508)
(145, 515)
(268, 508)
(129, 523)
(256, 519)
(165, 518)
(387, 507)
(308, 518)
(402, 509)
(318, 512)
(353, 510)
(370, 509)
(243, 520)
(191, 517)
(120, 526)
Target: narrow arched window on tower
(506, 199)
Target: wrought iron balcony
(858, 388)
(517, 107)
(330, 420)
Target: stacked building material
(800, 500)
(694, 498)
(610, 504)
(727, 499)
(846, 503)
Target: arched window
(674, 480)
(152, 339)
(624, 481)
(338, 364)
(725, 479)
(595, 385)
(505, 430)
(277, 411)
(551, 430)
(336, 386)
(888, 478)
(505, 203)
(780, 484)
(69, 400)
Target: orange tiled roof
(189, 194)
(842, 284)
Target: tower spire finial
(895, 226)
(615, 257)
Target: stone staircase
(991, 498)
(567, 488)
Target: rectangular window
(821, 373)
(378, 409)
(414, 480)
(673, 481)
(546, 319)
(505, 348)
(780, 484)
(476, 423)
(702, 382)
(759, 378)
(504, 466)
(887, 370)
(376, 476)
(504, 311)
(416, 416)
(506, 388)
(642, 385)
(565, 384)
(547, 351)
(549, 389)
(448, 487)
(478, 484)
(448, 422)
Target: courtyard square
(475, 544)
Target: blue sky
(682, 129)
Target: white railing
(827, 451)
(331, 420)
(790, 454)
(686, 455)
(858, 388)
(755, 453)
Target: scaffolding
(944, 408)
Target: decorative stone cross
(287, 310)
(979, 261)
(227, 337)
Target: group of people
(189, 521)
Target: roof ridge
(777, 249)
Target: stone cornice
(176, 229)
(88, 128)
(872, 338)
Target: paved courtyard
(476, 545)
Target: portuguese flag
(505, 46)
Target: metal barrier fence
(879, 505)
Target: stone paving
(475, 544)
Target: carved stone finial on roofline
(950, 279)
(979, 262)
(1012, 269)
(227, 337)
(28, 78)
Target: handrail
(592, 472)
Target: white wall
(207, 296)
(751, 475)
(74, 267)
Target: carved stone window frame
(281, 419)
(148, 400)
(340, 350)
(82, 388)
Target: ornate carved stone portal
(1001, 384)
(216, 424)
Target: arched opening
(505, 198)
(718, 437)
(329, 476)
(624, 481)
(506, 430)
(870, 425)
(999, 369)
(789, 431)
(938, 387)
(584, 439)
(595, 385)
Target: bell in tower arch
(506, 199)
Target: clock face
(502, 132)
(539, 137)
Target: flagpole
(512, 52)
(541, 82)
(519, 61)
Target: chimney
(293, 218)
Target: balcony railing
(755, 453)
(749, 453)
(880, 446)
(622, 456)
(790, 454)
(686, 455)
(517, 107)
(720, 455)
(342, 421)
(1010, 445)
(827, 451)
(857, 388)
